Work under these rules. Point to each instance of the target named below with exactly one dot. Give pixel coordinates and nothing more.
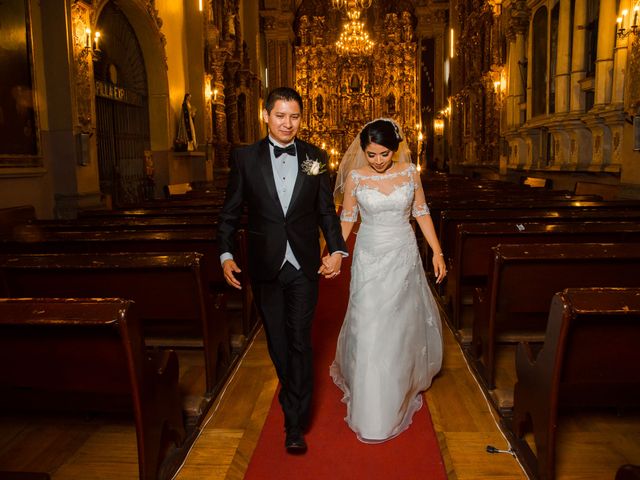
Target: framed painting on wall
(19, 135)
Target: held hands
(229, 267)
(439, 268)
(330, 267)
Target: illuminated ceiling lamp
(354, 39)
(438, 126)
(347, 5)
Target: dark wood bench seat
(88, 354)
(522, 281)
(241, 315)
(127, 223)
(171, 301)
(13, 216)
(472, 254)
(450, 219)
(150, 212)
(590, 357)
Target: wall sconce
(621, 31)
(207, 91)
(92, 45)
(438, 126)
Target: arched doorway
(122, 112)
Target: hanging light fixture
(348, 5)
(354, 39)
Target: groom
(284, 184)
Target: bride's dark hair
(383, 132)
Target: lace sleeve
(350, 204)
(420, 208)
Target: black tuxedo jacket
(251, 181)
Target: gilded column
(279, 35)
(218, 114)
(604, 61)
(231, 102)
(578, 60)
(563, 66)
(517, 27)
(580, 141)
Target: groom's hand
(331, 265)
(229, 267)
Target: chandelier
(349, 5)
(354, 40)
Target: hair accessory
(355, 158)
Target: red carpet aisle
(334, 452)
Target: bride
(390, 345)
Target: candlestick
(96, 40)
(87, 38)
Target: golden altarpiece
(342, 92)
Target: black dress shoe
(294, 441)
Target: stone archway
(122, 113)
(151, 40)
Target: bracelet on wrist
(441, 254)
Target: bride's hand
(439, 268)
(330, 267)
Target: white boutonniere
(313, 167)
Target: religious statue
(186, 138)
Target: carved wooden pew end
(590, 358)
(57, 351)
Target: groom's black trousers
(287, 306)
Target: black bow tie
(289, 150)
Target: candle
(635, 15)
(87, 38)
(97, 38)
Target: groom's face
(283, 121)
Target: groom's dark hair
(282, 93)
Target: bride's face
(380, 158)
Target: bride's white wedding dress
(390, 345)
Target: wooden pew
(12, 475)
(446, 219)
(13, 216)
(199, 210)
(167, 288)
(590, 357)
(522, 282)
(107, 239)
(450, 219)
(166, 234)
(605, 190)
(628, 472)
(126, 223)
(472, 254)
(89, 355)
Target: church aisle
(461, 417)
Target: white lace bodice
(384, 199)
